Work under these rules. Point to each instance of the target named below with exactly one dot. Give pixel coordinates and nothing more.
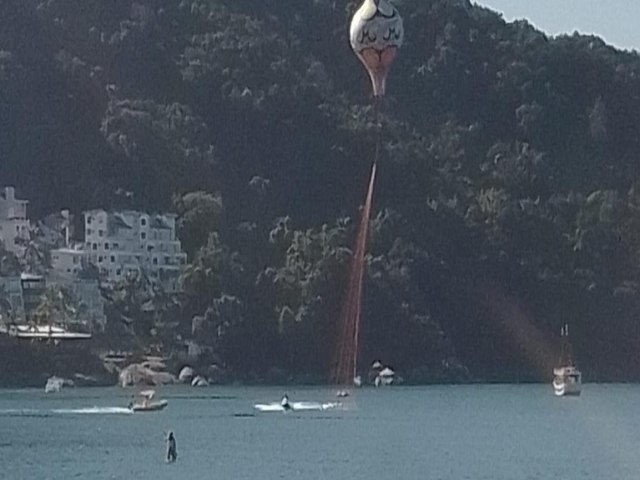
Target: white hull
(561, 389)
(43, 332)
(150, 407)
(383, 381)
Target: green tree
(57, 305)
(199, 213)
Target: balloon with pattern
(375, 35)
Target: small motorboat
(144, 402)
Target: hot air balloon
(375, 34)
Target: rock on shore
(143, 374)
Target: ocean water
(509, 432)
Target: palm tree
(128, 299)
(34, 258)
(57, 304)
(9, 263)
(7, 315)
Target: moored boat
(567, 379)
(54, 384)
(43, 332)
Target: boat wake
(297, 406)
(95, 410)
(27, 412)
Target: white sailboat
(567, 379)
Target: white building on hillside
(14, 225)
(69, 261)
(124, 242)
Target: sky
(616, 21)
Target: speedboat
(144, 402)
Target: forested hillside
(506, 205)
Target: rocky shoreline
(31, 365)
(78, 380)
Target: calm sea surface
(439, 432)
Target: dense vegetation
(507, 201)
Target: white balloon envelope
(375, 35)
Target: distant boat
(381, 375)
(144, 402)
(385, 377)
(44, 332)
(116, 357)
(54, 384)
(567, 379)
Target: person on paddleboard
(172, 452)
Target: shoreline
(239, 384)
(26, 365)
